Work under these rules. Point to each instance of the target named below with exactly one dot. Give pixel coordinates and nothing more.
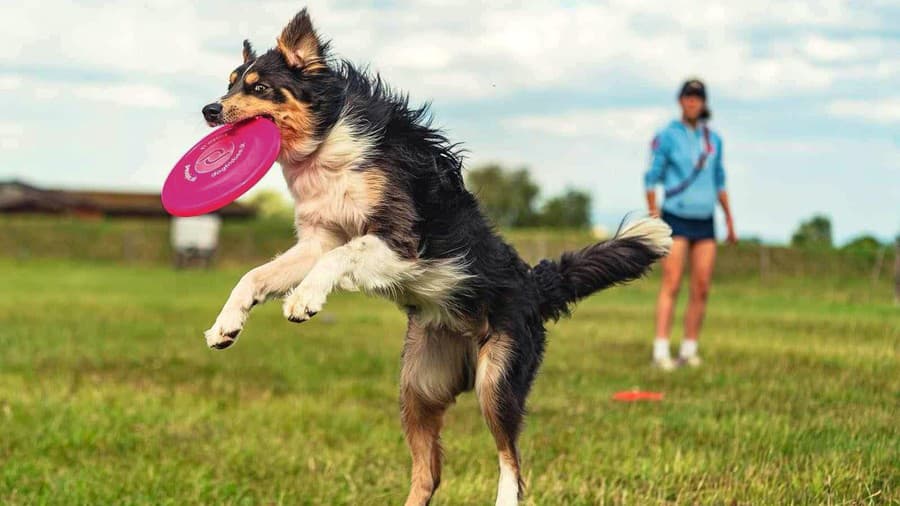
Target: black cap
(696, 88)
(693, 88)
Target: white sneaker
(691, 361)
(664, 364)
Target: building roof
(19, 197)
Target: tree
(271, 204)
(572, 209)
(509, 200)
(863, 243)
(751, 240)
(507, 197)
(813, 233)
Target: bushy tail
(625, 257)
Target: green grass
(108, 395)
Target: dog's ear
(300, 45)
(249, 53)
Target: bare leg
(703, 258)
(434, 372)
(503, 407)
(672, 268)
(267, 280)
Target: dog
(381, 207)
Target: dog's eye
(260, 88)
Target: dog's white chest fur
(337, 200)
(327, 186)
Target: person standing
(687, 162)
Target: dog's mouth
(228, 121)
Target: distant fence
(244, 243)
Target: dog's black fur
(425, 213)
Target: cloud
(130, 95)
(504, 47)
(11, 136)
(620, 124)
(879, 110)
(10, 82)
(476, 50)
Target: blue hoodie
(675, 151)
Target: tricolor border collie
(381, 207)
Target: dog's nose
(213, 112)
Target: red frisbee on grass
(221, 167)
(637, 395)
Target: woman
(687, 162)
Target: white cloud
(130, 95)
(11, 136)
(644, 43)
(621, 124)
(822, 48)
(883, 110)
(44, 92)
(10, 82)
(160, 38)
(475, 49)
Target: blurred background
(108, 395)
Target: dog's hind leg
(422, 422)
(437, 366)
(502, 402)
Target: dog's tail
(625, 257)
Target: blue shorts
(691, 229)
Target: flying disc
(221, 167)
(637, 395)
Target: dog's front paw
(225, 331)
(303, 303)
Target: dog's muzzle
(213, 113)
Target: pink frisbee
(221, 167)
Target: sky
(806, 94)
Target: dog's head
(291, 84)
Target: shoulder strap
(698, 167)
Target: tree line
(508, 197)
(512, 199)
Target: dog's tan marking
(422, 425)
(241, 106)
(232, 78)
(493, 359)
(437, 366)
(300, 45)
(292, 116)
(374, 182)
(295, 120)
(305, 54)
(251, 78)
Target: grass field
(109, 396)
